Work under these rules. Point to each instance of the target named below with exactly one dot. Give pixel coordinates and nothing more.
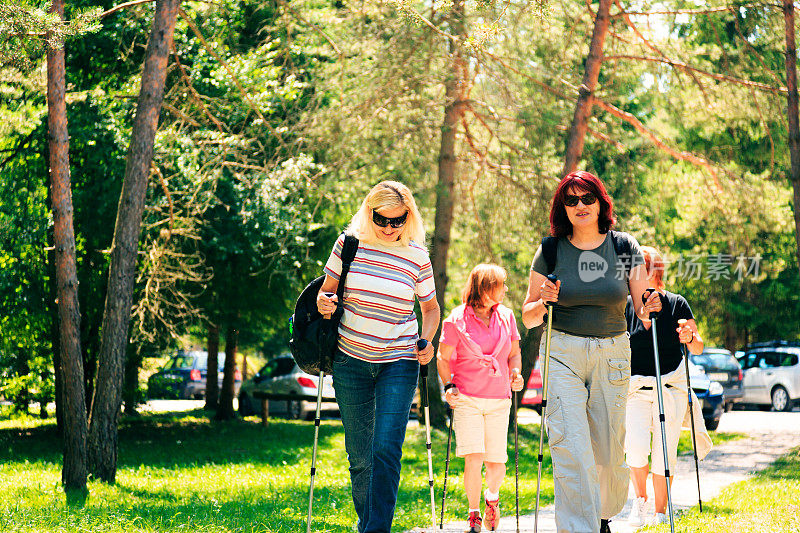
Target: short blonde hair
(483, 279)
(388, 195)
(654, 264)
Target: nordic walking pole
(446, 466)
(553, 278)
(516, 458)
(423, 373)
(661, 417)
(681, 322)
(314, 452)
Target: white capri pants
(642, 425)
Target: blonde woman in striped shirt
(375, 371)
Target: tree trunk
(122, 270)
(583, 108)
(792, 112)
(91, 348)
(456, 88)
(130, 391)
(212, 376)
(73, 475)
(54, 332)
(225, 409)
(22, 400)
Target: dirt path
(770, 435)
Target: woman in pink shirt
(479, 363)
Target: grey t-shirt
(594, 287)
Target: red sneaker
(474, 522)
(491, 514)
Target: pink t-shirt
(476, 346)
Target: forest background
(279, 116)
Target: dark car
(184, 377)
(771, 374)
(721, 366)
(281, 375)
(710, 393)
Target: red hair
(482, 281)
(583, 181)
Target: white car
(771, 374)
(281, 376)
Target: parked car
(771, 374)
(720, 365)
(709, 393)
(281, 375)
(533, 393)
(184, 377)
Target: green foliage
(29, 28)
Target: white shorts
(481, 426)
(642, 425)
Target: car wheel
(712, 424)
(245, 407)
(780, 399)
(295, 409)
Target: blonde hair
(388, 195)
(483, 279)
(654, 264)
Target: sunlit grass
(767, 502)
(184, 473)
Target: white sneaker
(658, 518)
(636, 517)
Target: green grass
(769, 501)
(184, 473)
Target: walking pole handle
(645, 295)
(554, 279)
(421, 345)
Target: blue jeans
(374, 401)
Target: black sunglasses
(571, 200)
(382, 221)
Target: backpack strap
(349, 249)
(622, 247)
(550, 252)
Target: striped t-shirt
(379, 324)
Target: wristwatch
(449, 386)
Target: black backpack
(622, 247)
(315, 339)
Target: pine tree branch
(719, 77)
(653, 47)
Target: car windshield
(717, 360)
(179, 361)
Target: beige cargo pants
(585, 419)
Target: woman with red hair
(597, 268)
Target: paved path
(770, 435)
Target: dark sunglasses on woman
(571, 200)
(382, 221)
